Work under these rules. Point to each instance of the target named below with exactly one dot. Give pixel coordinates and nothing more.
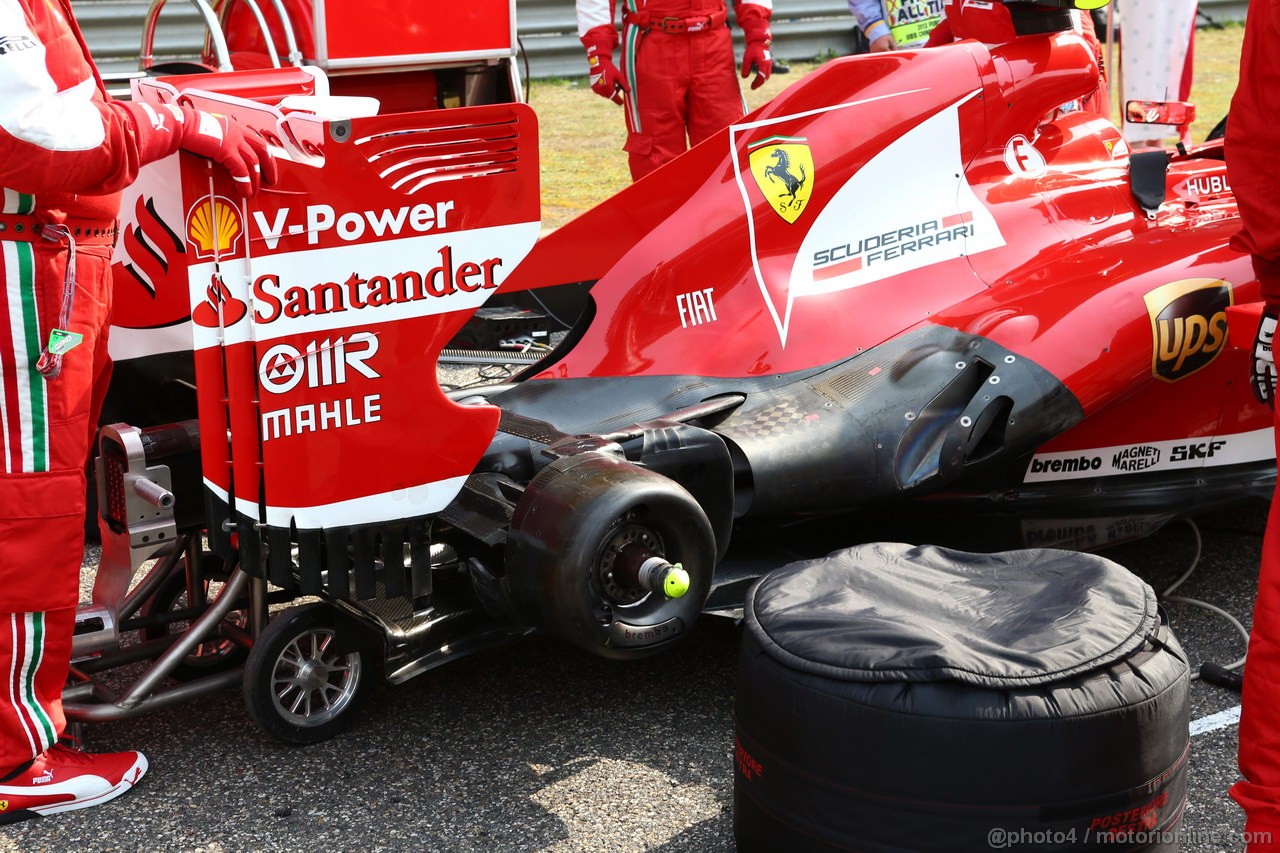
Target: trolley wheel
(299, 685)
(215, 655)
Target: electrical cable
(524, 59)
(1167, 596)
(1195, 559)
(490, 372)
(1236, 664)
(546, 310)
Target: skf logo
(13, 44)
(1188, 325)
(320, 363)
(783, 169)
(213, 227)
(1192, 452)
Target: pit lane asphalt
(535, 746)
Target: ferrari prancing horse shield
(783, 169)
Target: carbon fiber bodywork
(913, 415)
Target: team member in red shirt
(66, 150)
(677, 76)
(1253, 135)
(987, 21)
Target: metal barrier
(802, 29)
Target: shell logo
(213, 227)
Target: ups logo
(1188, 325)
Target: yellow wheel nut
(676, 583)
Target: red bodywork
(1058, 261)
(363, 34)
(937, 197)
(320, 307)
(913, 289)
(1061, 231)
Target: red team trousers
(684, 86)
(1253, 139)
(46, 426)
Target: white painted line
(1213, 722)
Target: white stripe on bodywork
(127, 343)
(407, 502)
(1208, 451)
(738, 132)
(305, 268)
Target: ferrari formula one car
(912, 286)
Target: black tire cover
(895, 699)
(894, 612)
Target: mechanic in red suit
(991, 22)
(677, 75)
(1253, 138)
(66, 150)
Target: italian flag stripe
(24, 402)
(26, 631)
(35, 654)
(16, 202)
(629, 60)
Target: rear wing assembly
(318, 312)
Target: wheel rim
(210, 651)
(628, 530)
(310, 684)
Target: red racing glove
(1262, 376)
(756, 59)
(606, 80)
(238, 149)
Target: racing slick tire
(300, 684)
(580, 519)
(893, 698)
